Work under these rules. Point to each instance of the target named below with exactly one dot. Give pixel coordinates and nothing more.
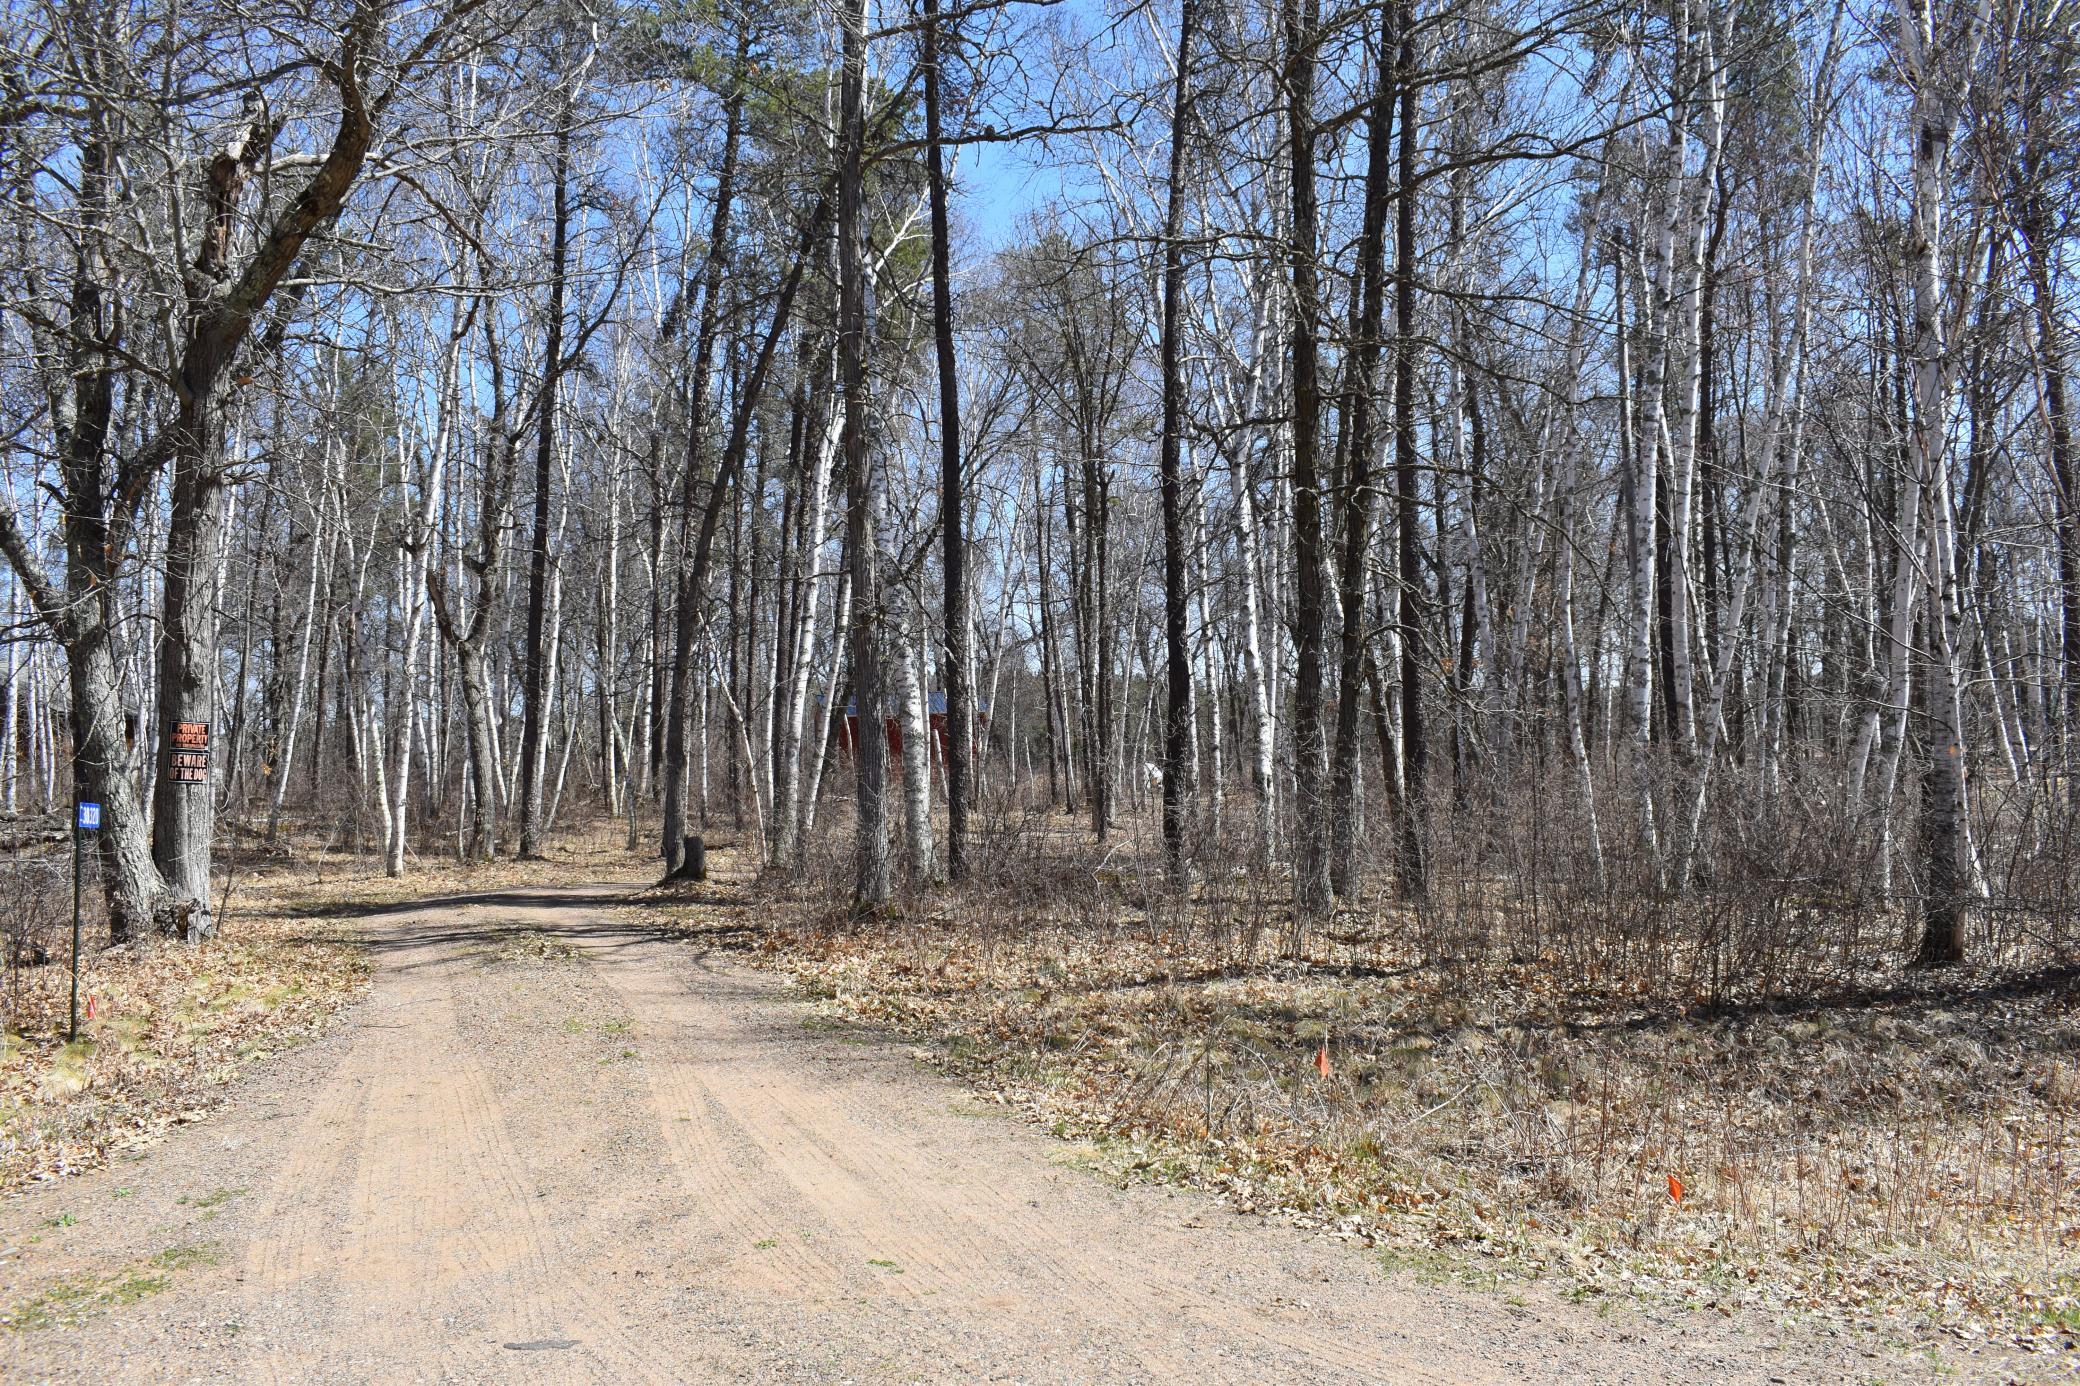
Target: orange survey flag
(1321, 1059)
(1675, 1190)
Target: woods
(1447, 460)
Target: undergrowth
(1898, 1155)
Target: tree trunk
(686, 626)
(1311, 890)
(1177, 703)
(184, 811)
(1937, 95)
(960, 712)
(1354, 577)
(872, 883)
(909, 697)
(1414, 752)
(534, 691)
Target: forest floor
(1898, 1162)
(563, 1136)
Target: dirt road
(551, 1146)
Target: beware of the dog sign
(187, 758)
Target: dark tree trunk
(1355, 572)
(2037, 250)
(481, 842)
(1311, 893)
(1177, 708)
(1414, 755)
(535, 678)
(873, 882)
(960, 712)
(686, 617)
(184, 811)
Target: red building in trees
(935, 711)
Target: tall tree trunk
(1685, 335)
(184, 811)
(913, 708)
(2038, 251)
(1255, 667)
(1414, 751)
(872, 883)
(1311, 890)
(787, 756)
(1939, 71)
(1177, 703)
(534, 693)
(960, 711)
(686, 624)
(1354, 578)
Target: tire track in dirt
(806, 1168)
(766, 1242)
(553, 1145)
(442, 1261)
(988, 1236)
(759, 1163)
(294, 1257)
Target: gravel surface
(550, 1145)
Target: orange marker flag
(1675, 1190)
(1321, 1059)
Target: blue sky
(996, 184)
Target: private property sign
(187, 759)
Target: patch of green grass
(1432, 1267)
(275, 995)
(61, 1303)
(124, 1192)
(62, 1220)
(765, 1244)
(889, 1266)
(78, 1298)
(2064, 1317)
(230, 996)
(69, 1066)
(133, 1287)
(182, 1257)
(215, 1198)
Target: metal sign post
(88, 819)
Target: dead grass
(164, 1029)
(1901, 1158)
(171, 1026)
